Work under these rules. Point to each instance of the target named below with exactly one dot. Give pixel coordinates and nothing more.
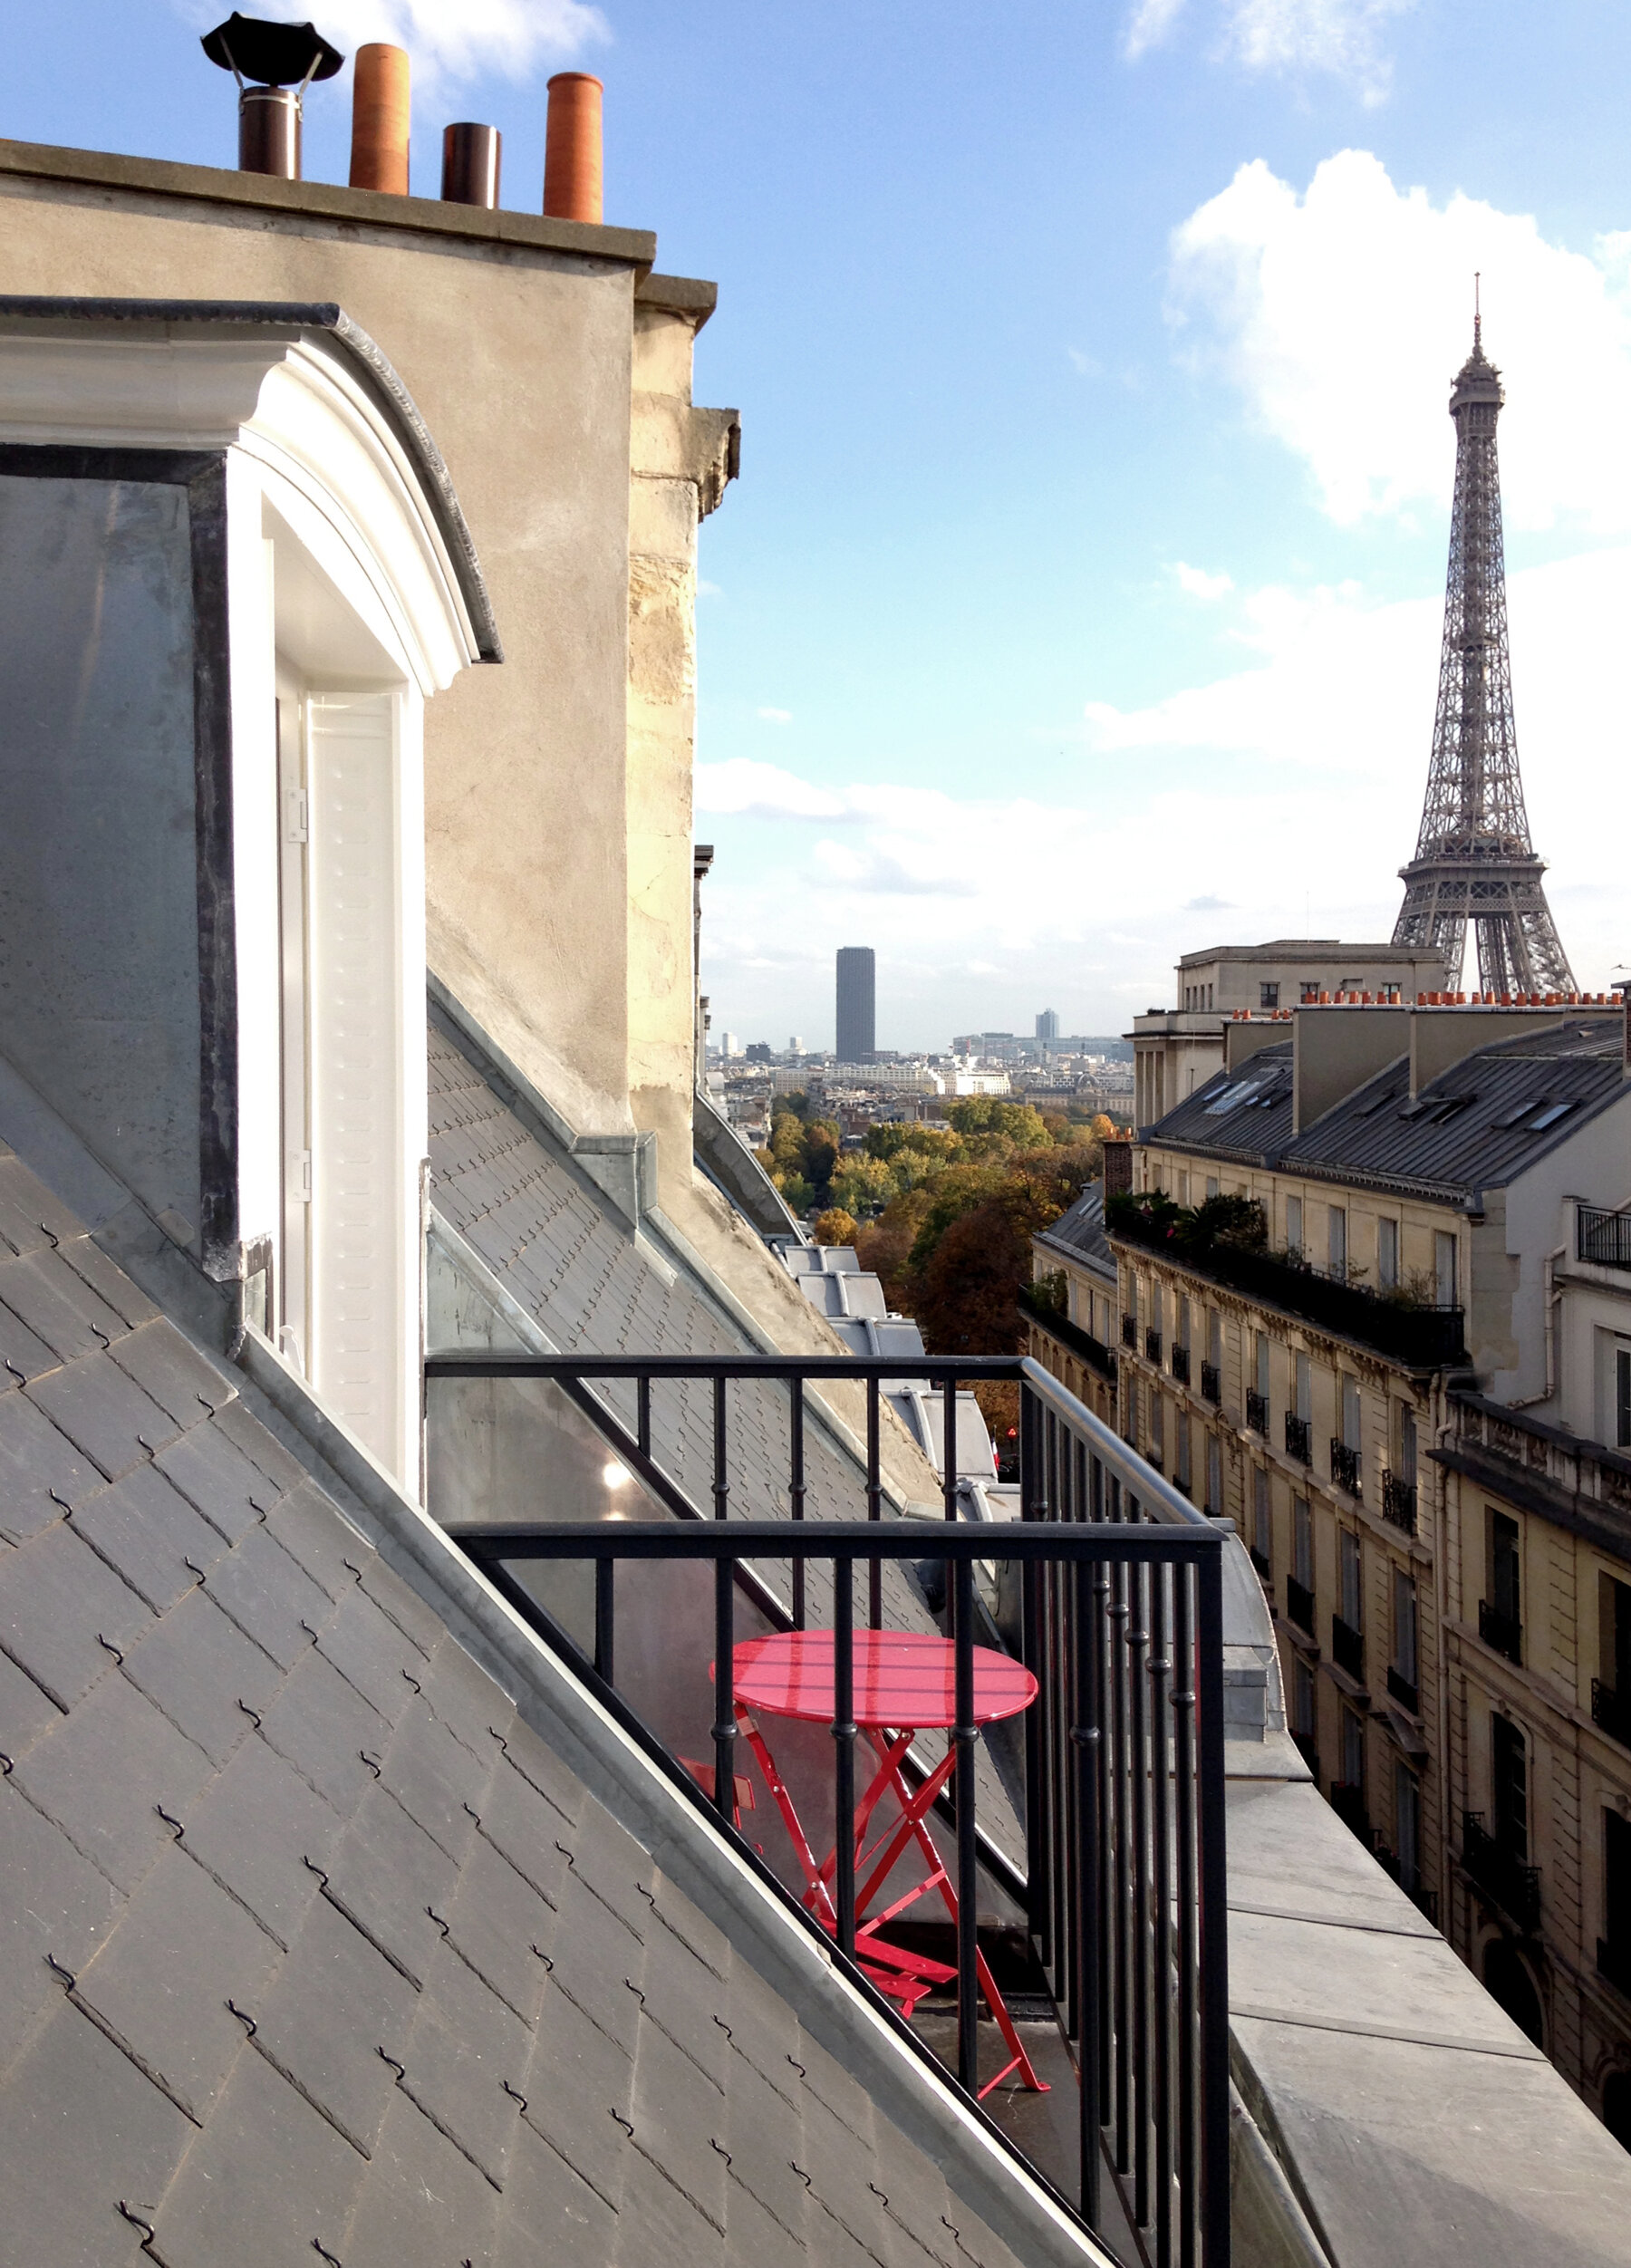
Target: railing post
(1089, 2017)
(725, 1730)
(1190, 1796)
(1213, 1918)
(966, 1734)
(1161, 1789)
(874, 1507)
(721, 1475)
(843, 1742)
(605, 1574)
(1031, 1648)
(796, 1490)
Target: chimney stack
(572, 150)
(274, 64)
(470, 162)
(381, 107)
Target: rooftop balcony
(1416, 1337)
(1603, 1238)
(1505, 1879)
(1071, 1336)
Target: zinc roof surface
(1477, 1125)
(309, 1946)
(1080, 1230)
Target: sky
(1079, 602)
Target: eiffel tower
(1474, 864)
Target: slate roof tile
(495, 1919)
(30, 1216)
(324, 1728)
(393, 1878)
(162, 1982)
(41, 1472)
(58, 1306)
(105, 1770)
(64, 1615)
(579, 2082)
(554, 2214)
(216, 1477)
(271, 1597)
(145, 1527)
(256, 1831)
(270, 1459)
(26, 1710)
(107, 1279)
(335, 2013)
(435, 1777)
(53, 1901)
(267, 2177)
(23, 1355)
(62, 2207)
(372, 1654)
(422, 2199)
(467, 2047)
(170, 1369)
(330, 1550)
(208, 1677)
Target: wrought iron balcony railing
(1503, 1632)
(1603, 1238)
(1399, 1503)
(1348, 1800)
(1261, 1561)
(1119, 1619)
(1181, 1365)
(1421, 1338)
(1507, 1880)
(1211, 1385)
(1346, 1467)
(1402, 1690)
(1300, 1605)
(1058, 1326)
(1257, 1412)
(1300, 1438)
(1347, 1648)
(1130, 1332)
(1611, 1711)
(1152, 1345)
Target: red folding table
(903, 1683)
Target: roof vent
(273, 64)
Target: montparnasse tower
(1475, 868)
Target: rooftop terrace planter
(1419, 1338)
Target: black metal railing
(1181, 1365)
(1257, 1411)
(1152, 1345)
(1603, 1238)
(1500, 1874)
(1399, 1503)
(1347, 1648)
(1130, 1332)
(1058, 1326)
(1119, 1618)
(1503, 1632)
(1421, 1338)
(1344, 1466)
(1611, 1711)
(1211, 1382)
(1263, 1564)
(1404, 1690)
(1300, 1438)
(1300, 1605)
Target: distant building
(795, 1045)
(758, 1051)
(1047, 1024)
(730, 1045)
(857, 1003)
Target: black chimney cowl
(272, 54)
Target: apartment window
(1350, 1411)
(1406, 1660)
(1310, 990)
(1267, 995)
(1353, 1749)
(1157, 1427)
(1407, 1467)
(1387, 1253)
(1294, 1232)
(1211, 1184)
(1443, 1269)
(1501, 1615)
(1305, 1389)
(1509, 1787)
(1622, 1398)
(1407, 1829)
(1180, 1329)
(1214, 1474)
(1350, 1570)
(1262, 1364)
(1337, 1242)
(1181, 1449)
(1262, 1521)
(1302, 1542)
(1614, 1953)
(1184, 1185)
(1303, 1723)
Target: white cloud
(1343, 37)
(461, 39)
(774, 716)
(1342, 316)
(1196, 583)
(761, 791)
(1149, 25)
(1084, 365)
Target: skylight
(1232, 1097)
(1549, 1115)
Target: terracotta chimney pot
(571, 149)
(381, 106)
